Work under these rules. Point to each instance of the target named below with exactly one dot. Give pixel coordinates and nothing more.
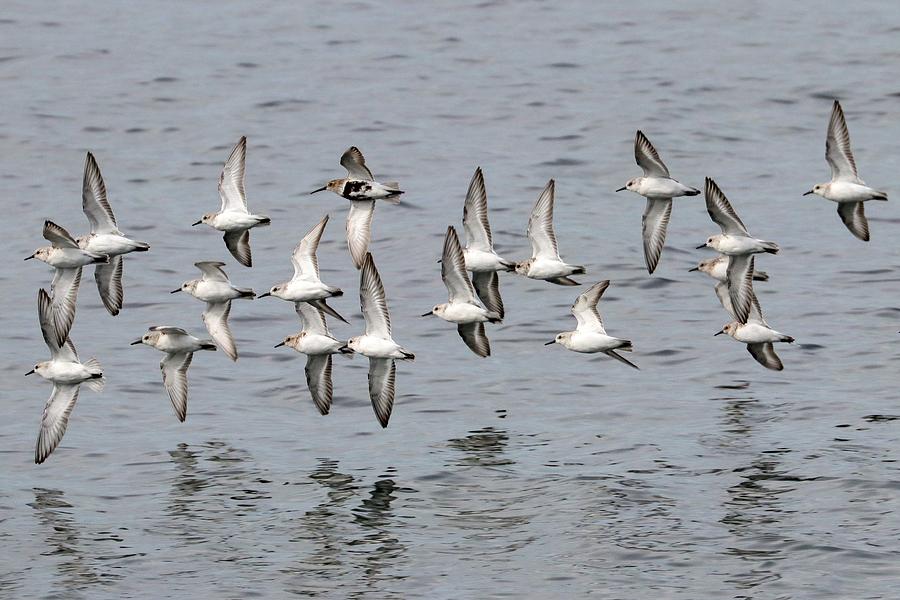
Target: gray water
(536, 472)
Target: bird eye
(36, 367)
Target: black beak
(701, 246)
(136, 342)
(720, 333)
(29, 373)
(29, 257)
(621, 189)
(321, 189)
(175, 291)
(809, 192)
(550, 342)
(428, 314)
(695, 268)
(264, 295)
(440, 260)
(279, 345)
(197, 223)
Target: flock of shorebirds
(473, 301)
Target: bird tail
(787, 338)
(564, 281)
(207, 345)
(494, 317)
(346, 351)
(579, 270)
(99, 258)
(246, 293)
(263, 220)
(335, 292)
(880, 196)
(770, 247)
(760, 276)
(97, 380)
(625, 346)
(693, 192)
(407, 355)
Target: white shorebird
(377, 343)
(67, 374)
(845, 188)
(479, 251)
(464, 308)
(317, 343)
(67, 258)
(717, 268)
(179, 347)
(361, 189)
(233, 217)
(590, 336)
(305, 285)
(737, 243)
(545, 262)
(758, 336)
(105, 237)
(658, 187)
(216, 290)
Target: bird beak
(321, 189)
(550, 342)
(701, 246)
(720, 333)
(809, 192)
(29, 257)
(428, 314)
(264, 295)
(621, 189)
(695, 268)
(136, 342)
(29, 373)
(279, 345)
(197, 223)
(175, 291)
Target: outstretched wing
(740, 285)
(853, 214)
(109, 283)
(453, 270)
(215, 317)
(540, 225)
(654, 224)
(475, 215)
(359, 229)
(487, 286)
(64, 298)
(94, 201)
(318, 380)
(231, 181)
(355, 163)
(55, 419)
(312, 318)
(647, 157)
(212, 270)
(765, 355)
(174, 369)
(721, 211)
(475, 338)
(837, 148)
(372, 300)
(585, 308)
(58, 236)
(306, 265)
(238, 243)
(382, 375)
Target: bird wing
(382, 375)
(215, 317)
(453, 270)
(355, 163)
(765, 355)
(212, 270)
(60, 349)
(359, 229)
(837, 148)
(475, 338)
(487, 286)
(306, 265)
(585, 308)
(475, 215)
(312, 318)
(540, 225)
(169, 330)
(109, 283)
(231, 181)
(654, 224)
(55, 419)
(318, 380)
(94, 201)
(721, 211)
(740, 285)
(372, 300)
(853, 214)
(174, 369)
(58, 236)
(648, 158)
(238, 243)
(64, 298)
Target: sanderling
(658, 187)
(305, 285)
(216, 290)
(590, 336)
(479, 251)
(464, 309)
(233, 217)
(377, 343)
(717, 268)
(545, 262)
(67, 258)
(361, 189)
(758, 336)
(105, 237)
(179, 347)
(67, 374)
(736, 242)
(317, 343)
(845, 188)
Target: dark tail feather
(880, 196)
(142, 247)
(264, 221)
(247, 293)
(622, 359)
(336, 292)
(408, 355)
(510, 266)
(770, 247)
(760, 276)
(788, 339)
(345, 349)
(578, 271)
(207, 346)
(321, 304)
(693, 192)
(564, 281)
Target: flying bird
(658, 187)
(845, 188)
(717, 268)
(545, 262)
(361, 189)
(233, 217)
